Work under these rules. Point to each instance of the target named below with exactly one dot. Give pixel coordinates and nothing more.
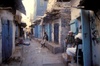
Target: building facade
(57, 19)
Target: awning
(93, 5)
(63, 0)
(7, 3)
(19, 6)
(79, 18)
(32, 26)
(14, 4)
(90, 4)
(55, 14)
(23, 25)
(37, 21)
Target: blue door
(56, 33)
(39, 31)
(10, 33)
(36, 31)
(48, 30)
(86, 38)
(6, 39)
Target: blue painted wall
(41, 8)
(39, 31)
(74, 26)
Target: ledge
(54, 48)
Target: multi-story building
(40, 11)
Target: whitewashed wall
(13, 36)
(74, 11)
(52, 32)
(6, 15)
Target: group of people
(72, 43)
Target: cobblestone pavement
(32, 54)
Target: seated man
(71, 52)
(45, 38)
(69, 40)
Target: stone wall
(0, 42)
(64, 27)
(65, 20)
(96, 42)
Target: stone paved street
(33, 55)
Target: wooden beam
(5, 8)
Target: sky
(30, 7)
(33, 9)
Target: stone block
(54, 48)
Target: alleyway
(33, 55)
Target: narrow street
(33, 55)
(70, 27)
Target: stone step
(54, 48)
(54, 64)
(74, 64)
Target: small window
(63, 0)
